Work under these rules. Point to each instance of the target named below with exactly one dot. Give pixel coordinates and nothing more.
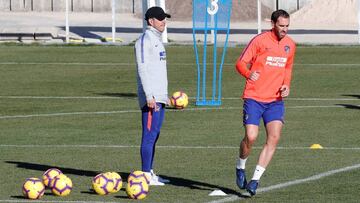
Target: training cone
(217, 193)
(316, 146)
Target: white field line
(291, 183)
(231, 198)
(66, 63)
(58, 97)
(51, 201)
(167, 147)
(136, 111)
(192, 98)
(300, 99)
(176, 64)
(69, 114)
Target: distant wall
(288, 5)
(122, 6)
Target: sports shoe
(152, 180)
(160, 179)
(240, 178)
(252, 186)
(155, 182)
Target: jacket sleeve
(289, 67)
(142, 53)
(246, 58)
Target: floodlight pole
(164, 34)
(145, 5)
(113, 20)
(359, 21)
(144, 8)
(67, 21)
(259, 15)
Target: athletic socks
(259, 170)
(240, 163)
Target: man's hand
(151, 103)
(284, 90)
(254, 76)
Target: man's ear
(272, 24)
(151, 21)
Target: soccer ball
(117, 182)
(138, 175)
(137, 188)
(103, 183)
(33, 188)
(49, 175)
(61, 185)
(179, 100)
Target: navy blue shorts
(269, 111)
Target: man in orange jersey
(266, 63)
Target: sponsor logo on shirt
(276, 61)
(162, 56)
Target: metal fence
(124, 6)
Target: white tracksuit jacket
(151, 67)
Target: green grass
(75, 108)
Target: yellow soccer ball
(137, 188)
(179, 100)
(103, 183)
(138, 175)
(49, 175)
(61, 185)
(117, 182)
(33, 188)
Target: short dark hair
(276, 14)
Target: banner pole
(113, 21)
(67, 30)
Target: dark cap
(156, 12)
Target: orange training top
(273, 59)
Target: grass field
(75, 108)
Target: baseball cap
(156, 12)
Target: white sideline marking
(167, 147)
(193, 98)
(298, 99)
(182, 64)
(68, 114)
(57, 97)
(291, 183)
(52, 201)
(70, 63)
(232, 198)
(136, 111)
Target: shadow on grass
(349, 106)
(352, 95)
(176, 181)
(122, 94)
(42, 167)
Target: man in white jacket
(152, 87)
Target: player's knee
(250, 139)
(273, 138)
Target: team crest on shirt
(287, 49)
(162, 56)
